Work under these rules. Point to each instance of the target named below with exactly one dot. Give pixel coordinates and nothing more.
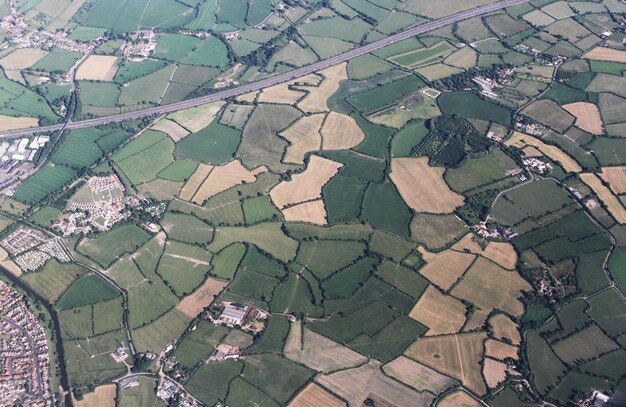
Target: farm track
(255, 86)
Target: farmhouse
(234, 314)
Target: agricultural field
(431, 223)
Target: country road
(274, 80)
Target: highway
(274, 80)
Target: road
(274, 80)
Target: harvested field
(280, 94)
(356, 385)
(248, 97)
(224, 177)
(307, 185)
(97, 68)
(499, 252)
(464, 58)
(318, 352)
(194, 182)
(422, 187)
(500, 350)
(616, 178)
(316, 100)
(303, 136)
(444, 269)
(102, 396)
(550, 114)
(494, 372)
(505, 328)
(314, 395)
(606, 54)
(459, 398)
(204, 295)
(341, 132)
(196, 118)
(584, 345)
(311, 212)
(611, 201)
(457, 355)
(418, 376)
(10, 122)
(22, 58)
(489, 286)
(520, 140)
(476, 320)
(172, 129)
(587, 116)
(442, 314)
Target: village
(24, 359)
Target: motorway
(274, 80)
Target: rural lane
(274, 80)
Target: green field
(384, 95)
(89, 289)
(215, 144)
(384, 208)
(106, 248)
(470, 106)
(45, 182)
(479, 171)
(187, 229)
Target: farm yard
(439, 222)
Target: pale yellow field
(7, 263)
(500, 252)
(303, 136)
(10, 122)
(318, 352)
(97, 68)
(606, 54)
(611, 201)
(500, 350)
(587, 116)
(445, 268)
(248, 97)
(422, 187)
(307, 185)
(504, 327)
(356, 385)
(520, 140)
(530, 151)
(464, 58)
(22, 58)
(193, 304)
(442, 314)
(194, 182)
(311, 212)
(489, 286)
(223, 177)
(102, 396)
(341, 132)
(459, 398)
(172, 129)
(314, 395)
(280, 94)
(476, 320)
(616, 178)
(456, 355)
(417, 375)
(494, 372)
(315, 101)
(196, 118)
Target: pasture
(43, 183)
(89, 289)
(107, 248)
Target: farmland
(438, 222)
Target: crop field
(458, 398)
(606, 54)
(616, 178)
(435, 231)
(422, 187)
(52, 281)
(102, 396)
(500, 350)
(489, 286)
(587, 116)
(340, 132)
(221, 178)
(554, 153)
(318, 352)
(45, 182)
(470, 106)
(505, 328)
(316, 99)
(97, 68)
(550, 114)
(505, 26)
(422, 56)
(444, 269)
(442, 314)
(612, 109)
(355, 385)
(608, 83)
(280, 246)
(458, 356)
(606, 196)
(204, 295)
(303, 136)
(314, 395)
(583, 345)
(105, 249)
(404, 279)
(417, 375)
